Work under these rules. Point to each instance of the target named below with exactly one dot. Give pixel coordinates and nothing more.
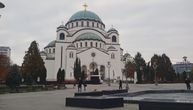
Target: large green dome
(88, 36)
(85, 15)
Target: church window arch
(76, 24)
(92, 24)
(80, 44)
(71, 55)
(49, 50)
(97, 25)
(100, 45)
(62, 36)
(54, 50)
(85, 44)
(82, 23)
(87, 24)
(112, 56)
(114, 39)
(72, 25)
(96, 44)
(91, 44)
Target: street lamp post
(93, 55)
(155, 67)
(185, 62)
(109, 66)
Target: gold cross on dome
(85, 6)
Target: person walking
(187, 81)
(80, 86)
(120, 84)
(85, 85)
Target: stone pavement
(55, 100)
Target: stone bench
(94, 102)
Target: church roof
(42, 53)
(71, 46)
(88, 36)
(85, 15)
(111, 48)
(112, 29)
(51, 44)
(61, 26)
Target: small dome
(51, 44)
(88, 36)
(112, 29)
(111, 48)
(61, 27)
(85, 15)
(71, 46)
(42, 53)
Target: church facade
(84, 36)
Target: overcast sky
(145, 26)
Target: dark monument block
(94, 93)
(94, 102)
(110, 92)
(101, 93)
(95, 80)
(164, 104)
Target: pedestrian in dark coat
(80, 86)
(187, 81)
(120, 84)
(85, 85)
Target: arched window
(87, 24)
(72, 25)
(97, 25)
(82, 23)
(62, 36)
(49, 50)
(80, 44)
(92, 24)
(100, 45)
(76, 24)
(77, 45)
(96, 44)
(71, 55)
(53, 50)
(114, 39)
(112, 56)
(91, 44)
(85, 44)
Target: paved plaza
(55, 100)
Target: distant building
(5, 51)
(183, 66)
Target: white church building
(84, 36)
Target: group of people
(83, 83)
